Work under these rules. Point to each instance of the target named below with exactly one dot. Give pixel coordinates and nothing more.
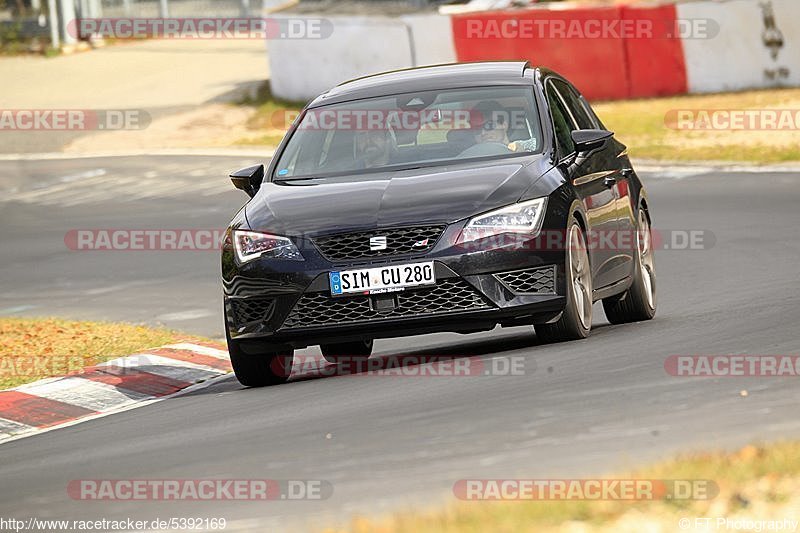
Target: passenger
(492, 122)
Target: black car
(445, 198)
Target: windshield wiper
(300, 178)
(376, 170)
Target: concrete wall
(431, 38)
(738, 58)
(357, 46)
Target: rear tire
(259, 370)
(639, 301)
(347, 351)
(576, 319)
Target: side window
(562, 122)
(575, 106)
(595, 118)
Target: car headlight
(251, 245)
(522, 218)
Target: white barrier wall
(300, 69)
(740, 56)
(431, 39)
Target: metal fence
(184, 8)
(26, 22)
(23, 22)
(49, 20)
(233, 8)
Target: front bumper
(287, 304)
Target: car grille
(320, 309)
(251, 309)
(399, 241)
(530, 281)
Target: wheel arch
(581, 218)
(580, 215)
(643, 203)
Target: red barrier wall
(595, 66)
(618, 64)
(656, 66)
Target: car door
(617, 154)
(594, 179)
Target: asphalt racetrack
(387, 443)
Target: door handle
(609, 181)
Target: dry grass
(271, 118)
(754, 483)
(32, 349)
(641, 125)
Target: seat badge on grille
(377, 243)
(421, 243)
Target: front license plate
(382, 279)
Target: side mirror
(588, 140)
(248, 179)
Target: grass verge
(755, 483)
(36, 348)
(271, 117)
(640, 124)
(13, 41)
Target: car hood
(418, 196)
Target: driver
(374, 148)
(490, 120)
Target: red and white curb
(119, 384)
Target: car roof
(453, 75)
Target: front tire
(259, 370)
(576, 319)
(347, 351)
(639, 301)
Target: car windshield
(415, 129)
